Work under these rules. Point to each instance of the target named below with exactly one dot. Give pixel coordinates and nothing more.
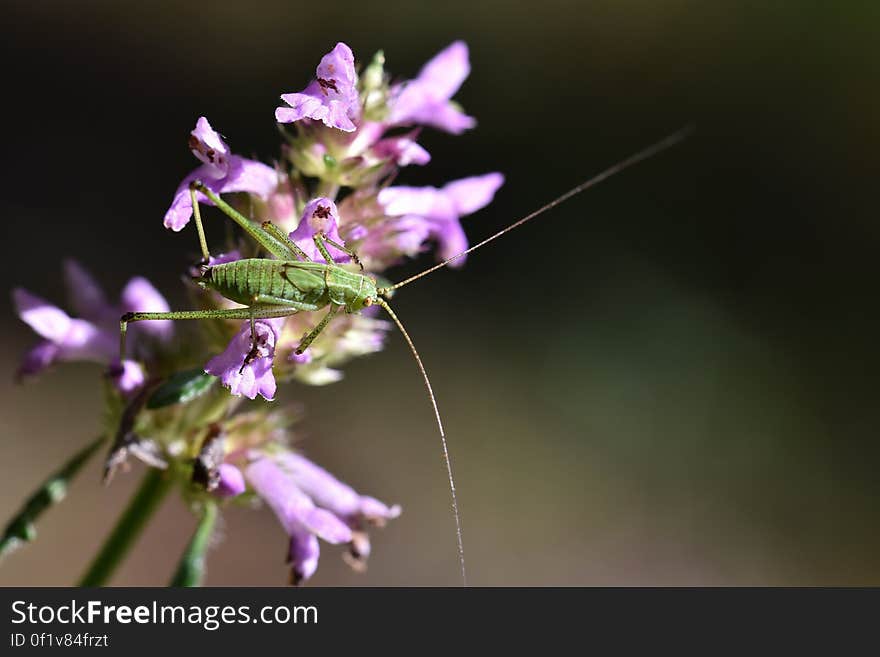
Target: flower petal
(85, 341)
(468, 195)
(47, 320)
(451, 240)
(336, 75)
(208, 146)
(248, 378)
(303, 556)
(444, 74)
(402, 149)
(425, 100)
(231, 481)
(426, 202)
(127, 376)
(328, 492)
(325, 489)
(139, 295)
(223, 258)
(86, 296)
(37, 359)
(249, 176)
(295, 509)
(445, 116)
(375, 511)
(302, 106)
(178, 215)
(319, 215)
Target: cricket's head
(359, 289)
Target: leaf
(181, 387)
(21, 528)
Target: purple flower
(139, 295)
(402, 150)
(127, 376)
(231, 481)
(301, 359)
(301, 519)
(65, 338)
(331, 98)
(319, 215)
(223, 258)
(423, 213)
(426, 100)
(94, 336)
(310, 503)
(89, 301)
(221, 172)
(86, 297)
(246, 368)
(302, 555)
(328, 492)
(281, 205)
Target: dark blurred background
(669, 380)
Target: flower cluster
(347, 136)
(94, 335)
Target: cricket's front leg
(197, 215)
(321, 242)
(309, 338)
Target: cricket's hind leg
(259, 312)
(284, 238)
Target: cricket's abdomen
(244, 281)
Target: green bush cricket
(291, 282)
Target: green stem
(21, 528)
(191, 569)
(145, 501)
(327, 189)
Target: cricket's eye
(369, 301)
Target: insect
(291, 283)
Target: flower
(402, 150)
(353, 135)
(221, 172)
(426, 99)
(245, 366)
(422, 213)
(231, 481)
(328, 492)
(94, 336)
(331, 98)
(65, 338)
(127, 376)
(139, 295)
(311, 503)
(319, 216)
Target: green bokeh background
(670, 380)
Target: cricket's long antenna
(644, 154)
(415, 353)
